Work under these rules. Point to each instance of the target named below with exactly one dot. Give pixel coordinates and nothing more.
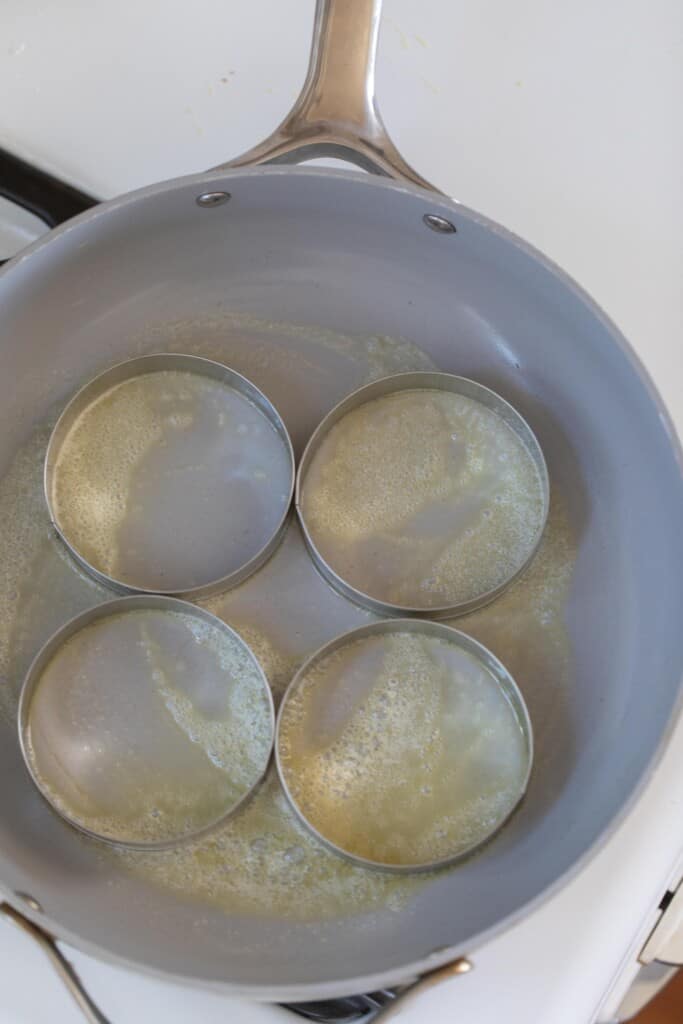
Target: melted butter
(282, 633)
(305, 370)
(402, 749)
(423, 499)
(41, 587)
(254, 863)
(264, 862)
(149, 725)
(170, 480)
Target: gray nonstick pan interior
(310, 284)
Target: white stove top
(556, 120)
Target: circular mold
(403, 745)
(422, 494)
(170, 474)
(146, 721)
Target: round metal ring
(388, 386)
(183, 490)
(347, 697)
(155, 694)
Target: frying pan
(371, 256)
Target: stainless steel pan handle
(425, 981)
(60, 964)
(95, 1016)
(336, 113)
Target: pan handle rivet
(30, 902)
(212, 198)
(440, 224)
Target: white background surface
(561, 121)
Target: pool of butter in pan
(264, 861)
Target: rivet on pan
(212, 198)
(440, 224)
(30, 902)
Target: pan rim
(331, 988)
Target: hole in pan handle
(336, 113)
